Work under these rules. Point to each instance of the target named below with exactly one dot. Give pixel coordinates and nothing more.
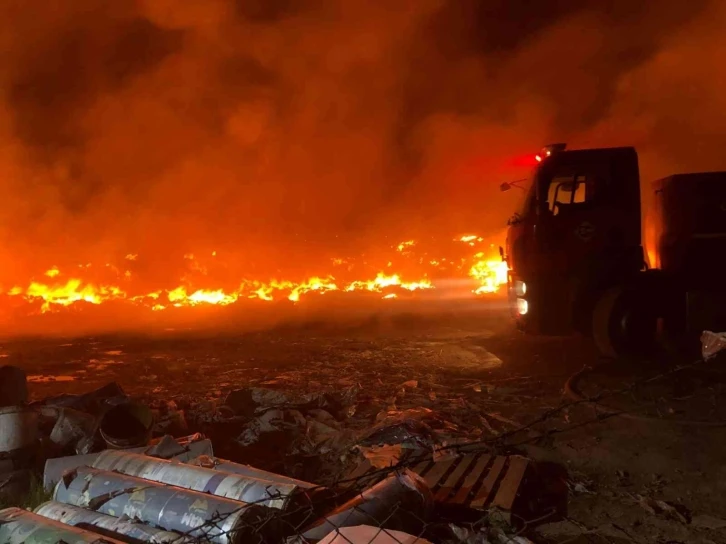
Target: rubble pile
(113, 471)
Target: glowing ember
(405, 245)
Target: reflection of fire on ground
(409, 268)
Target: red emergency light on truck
(576, 259)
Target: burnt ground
(475, 373)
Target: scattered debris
(580, 485)
(665, 509)
(94, 402)
(411, 429)
(73, 429)
(712, 343)
(380, 504)
(468, 535)
(366, 534)
(383, 456)
(254, 401)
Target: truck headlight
(520, 288)
(522, 306)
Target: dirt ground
(475, 371)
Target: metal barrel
(18, 429)
(55, 468)
(127, 425)
(222, 484)
(246, 470)
(400, 502)
(124, 530)
(18, 526)
(195, 514)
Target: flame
(491, 275)
(382, 281)
(72, 291)
(179, 297)
(405, 245)
(488, 272)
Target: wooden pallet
(476, 480)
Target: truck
(576, 259)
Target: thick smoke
(281, 131)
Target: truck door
(570, 226)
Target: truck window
(564, 191)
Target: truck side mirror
(504, 187)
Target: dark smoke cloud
(285, 130)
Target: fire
(383, 281)
(72, 291)
(483, 269)
(490, 274)
(179, 297)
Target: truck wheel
(625, 322)
(601, 318)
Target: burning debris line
(409, 269)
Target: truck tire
(625, 319)
(602, 316)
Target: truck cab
(576, 234)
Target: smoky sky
(286, 130)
